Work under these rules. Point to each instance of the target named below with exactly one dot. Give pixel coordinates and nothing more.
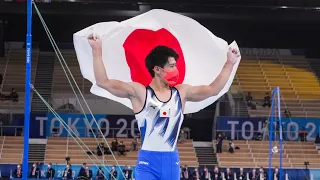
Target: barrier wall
(120, 126)
(8, 169)
(293, 174)
(246, 128)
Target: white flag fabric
(202, 55)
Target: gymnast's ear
(156, 70)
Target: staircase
(43, 81)
(315, 67)
(241, 109)
(206, 156)
(37, 153)
(240, 106)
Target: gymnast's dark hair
(159, 57)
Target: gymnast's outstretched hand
(232, 56)
(95, 42)
(200, 93)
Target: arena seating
(11, 149)
(251, 153)
(305, 82)
(299, 85)
(59, 148)
(254, 154)
(14, 76)
(60, 82)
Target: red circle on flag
(139, 44)
(164, 113)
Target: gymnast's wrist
(96, 52)
(228, 65)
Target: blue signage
(42, 125)
(292, 126)
(239, 128)
(76, 168)
(7, 170)
(79, 124)
(248, 128)
(37, 126)
(125, 126)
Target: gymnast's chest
(157, 108)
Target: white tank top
(159, 122)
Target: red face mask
(171, 76)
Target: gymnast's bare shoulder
(134, 91)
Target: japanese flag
(164, 112)
(202, 55)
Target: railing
(238, 109)
(263, 72)
(53, 72)
(45, 152)
(71, 98)
(259, 52)
(225, 108)
(5, 118)
(286, 72)
(11, 108)
(5, 70)
(2, 146)
(293, 87)
(83, 85)
(252, 135)
(67, 151)
(34, 77)
(108, 132)
(231, 102)
(11, 130)
(216, 114)
(97, 104)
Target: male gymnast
(159, 106)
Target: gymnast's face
(170, 66)
(168, 73)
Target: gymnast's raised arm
(200, 93)
(115, 87)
